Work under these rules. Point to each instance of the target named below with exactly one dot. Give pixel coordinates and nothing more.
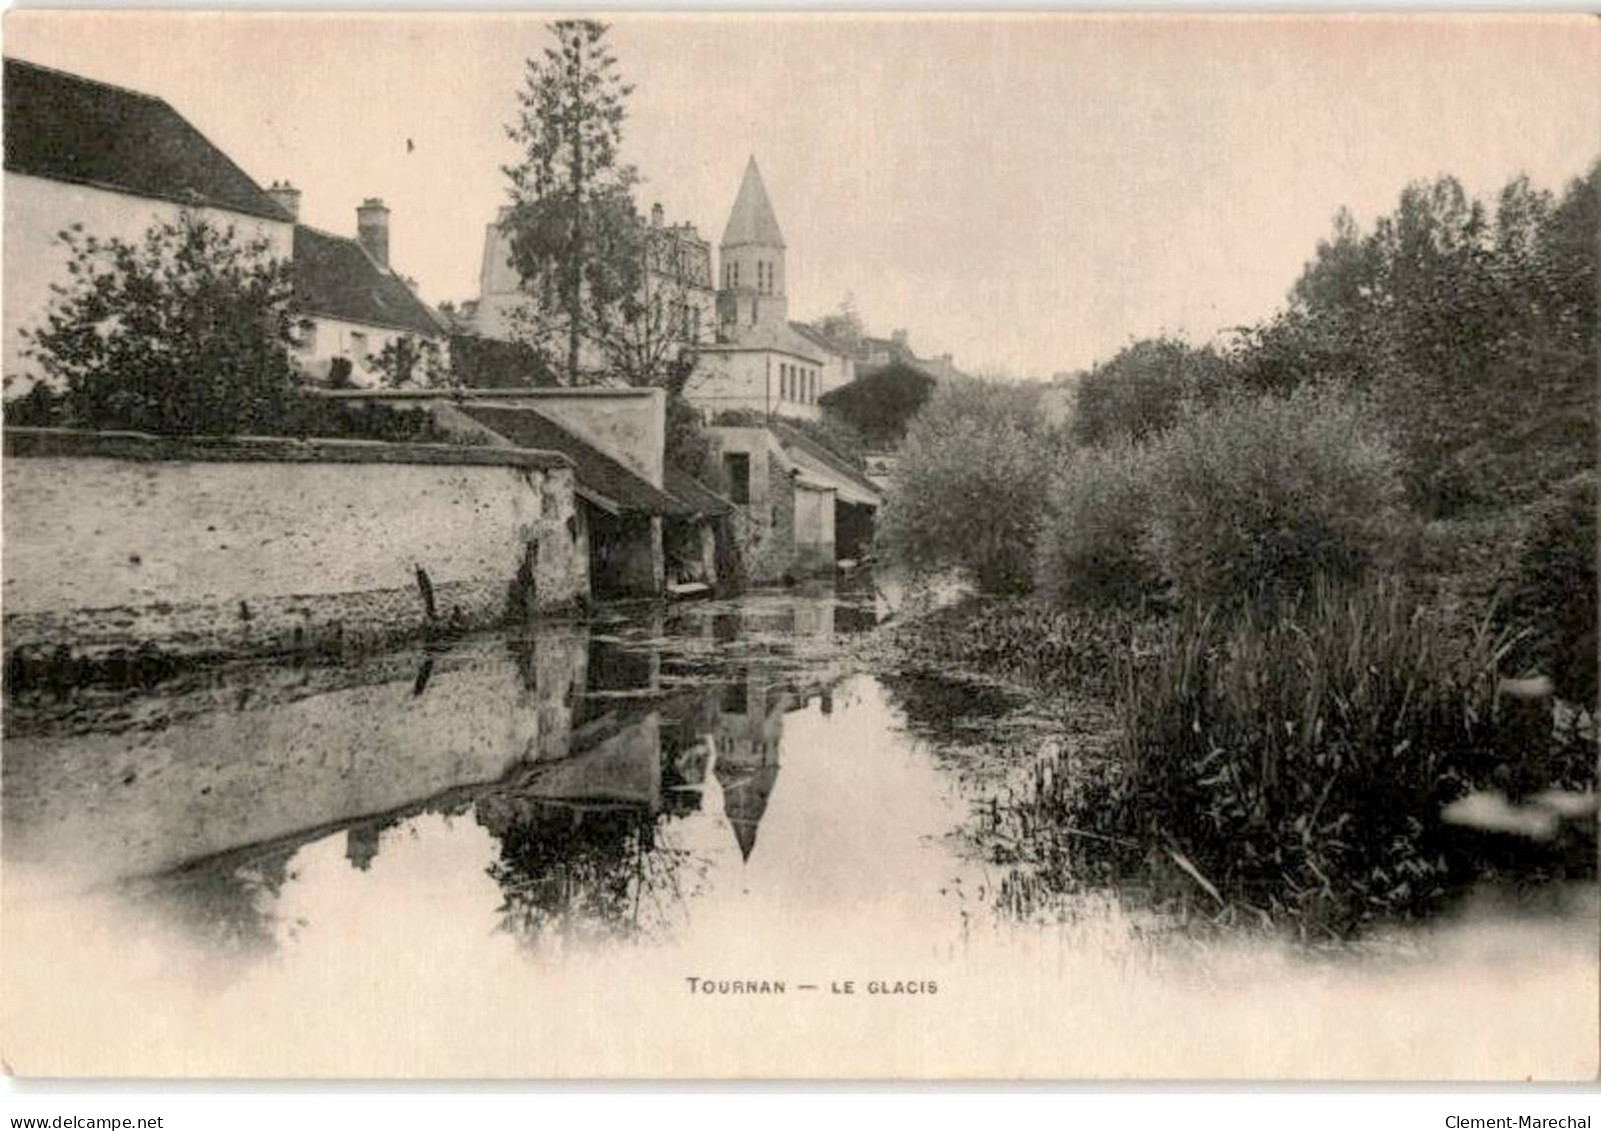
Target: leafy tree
(574, 228)
(844, 326)
(1140, 392)
(649, 339)
(1472, 326)
(970, 487)
(186, 330)
(879, 405)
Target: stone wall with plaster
(118, 541)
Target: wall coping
(84, 444)
(581, 392)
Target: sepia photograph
(828, 546)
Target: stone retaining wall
(201, 546)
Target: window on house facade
(358, 349)
(736, 469)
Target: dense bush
(1260, 496)
(187, 330)
(302, 414)
(685, 445)
(880, 404)
(1553, 598)
(970, 487)
(1092, 547)
(1299, 762)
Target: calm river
(698, 842)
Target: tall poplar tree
(573, 225)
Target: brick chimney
(287, 197)
(372, 229)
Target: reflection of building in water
(749, 733)
(610, 778)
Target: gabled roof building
(113, 162)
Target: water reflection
(610, 767)
(479, 861)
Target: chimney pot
(656, 215)
(372, 229)
(287, 197)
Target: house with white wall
(351, 302)
(676, 287)
(112, 162)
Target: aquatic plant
(1297, 761)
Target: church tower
(751, 261)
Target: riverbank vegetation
(1301, 567)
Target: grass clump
(1298, 763)
(1022, 640)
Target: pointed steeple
(752, 220)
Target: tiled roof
(334, 276)
(68, 128)
(794, 438)
(692, 492)
(819, 339)
(767, 336)
(752, 220)
(617, 485)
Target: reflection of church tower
(745, 794)
(748, 742)
(751, 256)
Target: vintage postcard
(830, 546)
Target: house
(676, 290)
(351, 302)
(114, 162)
(1059, 399)
(873, 354)
(644, 529)
(798, 509)
(839, 363)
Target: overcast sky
(1028, 193)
